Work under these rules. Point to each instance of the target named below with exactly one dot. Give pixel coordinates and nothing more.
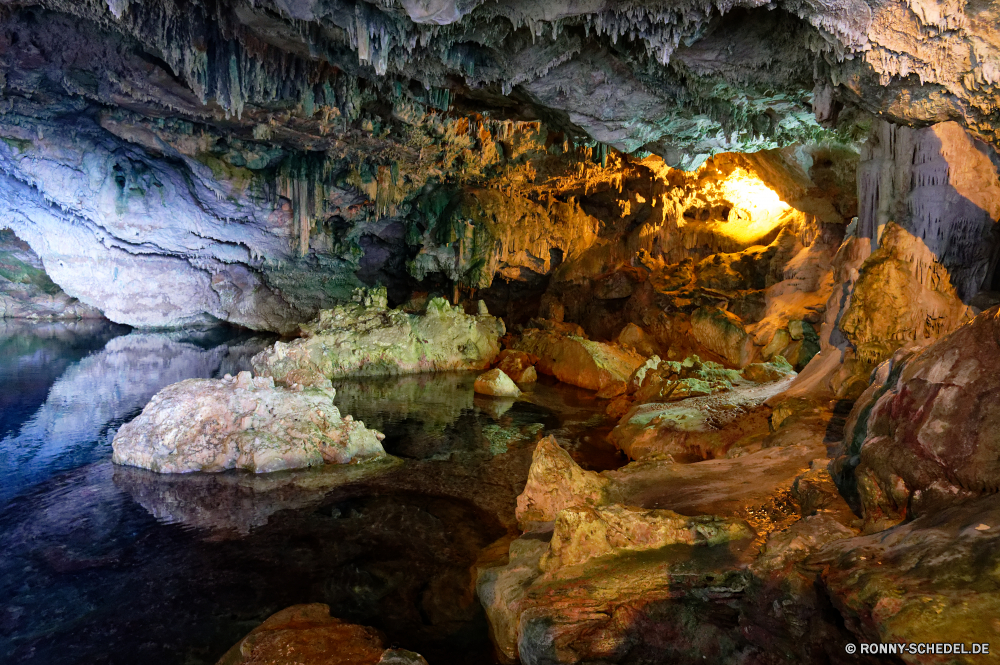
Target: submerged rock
(366, 338)
(308, 635)
(577, 361)
(497, 384)
(241, 422)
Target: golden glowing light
(756, 208)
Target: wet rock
(496, 383)
(930, 436)
(723, 333)
(241, 422)
(582, 533)
(929, 580)
(362, 339)
(577, 361)
(903, 294)
(518, 365)
(308, 635)
(556, 482)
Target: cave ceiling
(680, 79)
(244, 159)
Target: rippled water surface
(105, 564)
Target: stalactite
(304, 179)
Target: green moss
(238, 177)
(15, 270)
(21, 145)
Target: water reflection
(232, 504)
(104, 564)
(106, 375)
(33, 355)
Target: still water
(105, 564)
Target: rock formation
(496, 384)
(109, 384)
(577, 361)
(308, 635)
(27, 292)
(923, 430)
(366, 338)
(242, 422)
(760, 238)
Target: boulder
(366, 338)
(497, 384)
(723, 333)
(775, 370)
(696, 410)
(242, 423)
(930, 436)
(634, 337)
(518, 365)
(556, 482)
(585, 532)
(308, 635)
(670, 380)
(577, 361)
(903, 294)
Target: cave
(466, 332)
